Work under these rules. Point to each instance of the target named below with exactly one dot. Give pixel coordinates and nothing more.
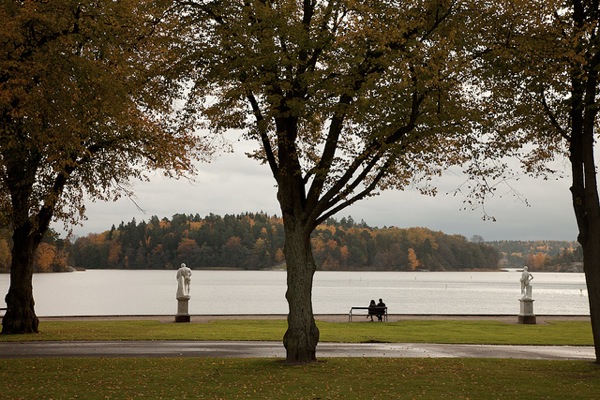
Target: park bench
(377, 311)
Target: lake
(149, 292)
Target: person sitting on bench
(380, 310)
(372, 309)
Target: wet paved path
(243, 349)
(275, 349)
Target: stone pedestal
(183, 314)
(526, 316)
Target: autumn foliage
(255, 241)
(85, 106)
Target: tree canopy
(540, 84)
(85, 106)
(355, 96)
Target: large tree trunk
(591, 266)
(302, 335)
(587, 212)
(20, 316)
(586, 200)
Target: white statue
(184, 277)
(526, 278)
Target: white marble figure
(184, 277)
(526, 278)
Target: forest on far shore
(254, 241)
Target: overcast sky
(234, 184)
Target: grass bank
(341, 378)
(336, 378)
(412, 331)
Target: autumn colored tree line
(255, 241)
(541, 255)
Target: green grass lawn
(335, 378)
(340, 378)
(413, 331)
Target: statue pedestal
(526, 316)
(182, 309)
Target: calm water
(109, 292)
